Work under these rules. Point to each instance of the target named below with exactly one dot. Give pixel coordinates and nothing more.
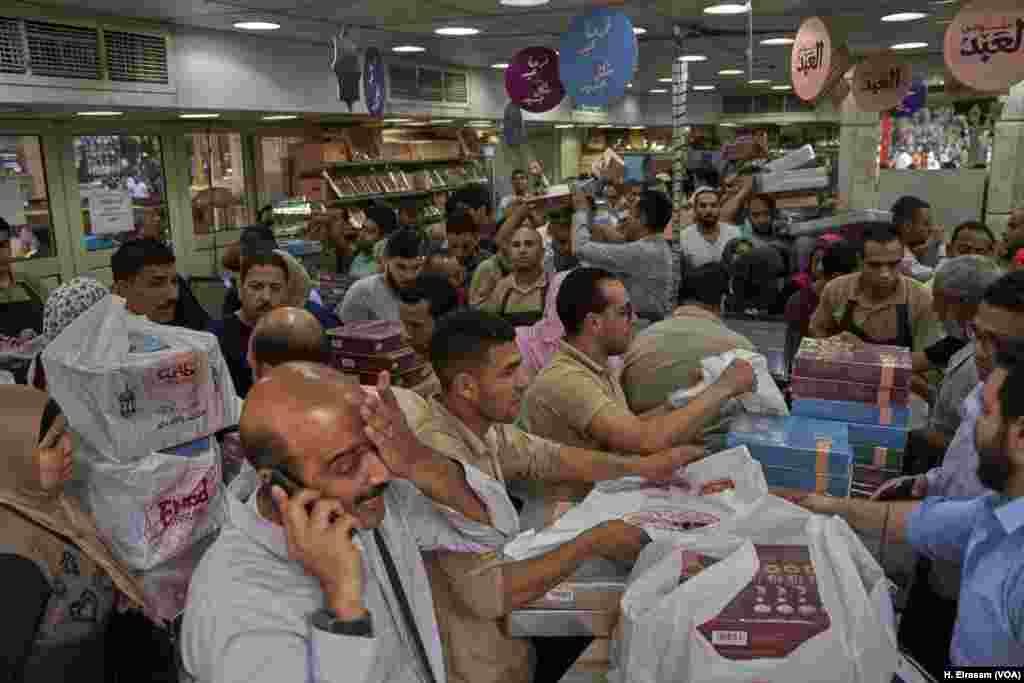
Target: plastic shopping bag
(156, 508)
(804, 602)
(129, 386)
(766, 399)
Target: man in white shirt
(705, 241)
(326, 583)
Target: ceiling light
(777, 41)
(639, 30)
(563, 126)
(664, 80)
(703, 87)
(727, 8)
(481, 124)
(606, 125)
(727, 125)
(281, 117)
(440, 122)
(759, 81)
(397, 120)
(457, 31)
(629, 85)
(257, 25)
(943, 2)
(731, 72)
(199, 116)
(523, 3)
(904, 16)
(658, 91)
(638, 127)
(500, 65)
(408, 49)
(909, 46)
(782, 87)
(693, 58)
(100, 113)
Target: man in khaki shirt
(478, 362)
(519, 296)
(578, 401)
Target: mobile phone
(280, 477)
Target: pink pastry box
(827, 359)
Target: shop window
(24, 199)
(278, 167)
(116, 172)
(217, 182)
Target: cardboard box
(604, 596)
(877, 456)
(883, 366)
(396, 362)
(878, 435)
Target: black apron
(525, 318)
(904, 337)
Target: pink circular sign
(811, 61)
(984, 46)
(880, 83)
(532, 80)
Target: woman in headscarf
(59, 579)
(63, 306)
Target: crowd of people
(364, 541)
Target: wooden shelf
(355, 199)
(404, 163)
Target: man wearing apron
(519, 296)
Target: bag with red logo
(154, 509)
(129, 386)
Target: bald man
(285, 335)
(326, 582)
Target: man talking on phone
(325, 582)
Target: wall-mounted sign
(816, 63)
(915, 99)
(598, 56)
(373, 82)
(880, 83)
(110, 212)
(345, 65)
(532, 80)
(515, 128)
(984, 46)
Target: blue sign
(598, 57)
(373, 82)
(914, 101)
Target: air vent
(403, 82)
(63, 51)
(431, 85)
(12, 47)
(456, 87)
(135, 57)
(418, 84)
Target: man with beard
(922, 251)
(476, 357)
(464, 244)
(983, 535)
(263, 287)
(704, 242)
(380, 223)
(376, 297)
(319, 576)
(520, 190)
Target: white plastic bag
(156, 508)
(766, 399)
(129, 386)
(668, 629)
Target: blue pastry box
(889, 415)
(797, 452)
(894, 438)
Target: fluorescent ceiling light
(703, 87)
(199, 116)
(629, 85)
(658, 91)
(731, 72)
(909, 46)
(440, 122)
(257, 25)
(565, 125)
(481, 124)
(693, 58)
(397, 120)
(727, 8)
(664, 80)
(100, 113)
(457, 31)
(408, 49)
(943, 2)
(778, 41)
(782, 87)
(759, 81)
(524, 3)
(639, 30)
(727, 125)
(500, 65)
(904, 16)
(606, 125)
(638, 127)
(281, 117)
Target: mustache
(375, 492)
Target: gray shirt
(644, 265)
(961, 378)
(698, 251)
(370, 298)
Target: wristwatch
(325, 620)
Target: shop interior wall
(955, 195)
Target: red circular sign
(984, 46)
(811, 61)
(532, 80)
(880, 83)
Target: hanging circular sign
(984, 45)
(532, 80)
(880, 83)
(598, 57)
(816, 64)
(515, 127)
(373, 82)
(915, 99)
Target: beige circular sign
(984, 46)
(811, 61)
(880, 83)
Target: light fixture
(639, 30)
(658, 91)
(782, 87)
(563, 126)
(281, 117)
(523, 3)
(481, 124)
(778, 41)
(903, 16)
(727, 125)
(606, 125)
(257, 25)
(457, 31)
(440, 122)
(664, 80)
(909, 46)
(731, 72)
(943, 2)
(759, 81)
(402, 49)
(704, 87)
(199, 116)
(693, 58)
(100, 113)
(629, 85)
(500, 65)
(727, 8)
(397, 120)
(638, 127)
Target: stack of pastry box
(366, 349)
(848, 428)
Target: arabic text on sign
(892, 82)
(989, 41)
(811, 58)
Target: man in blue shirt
(984, 535)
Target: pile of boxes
(366, 349)
(850, 417)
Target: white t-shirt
(698, 251)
